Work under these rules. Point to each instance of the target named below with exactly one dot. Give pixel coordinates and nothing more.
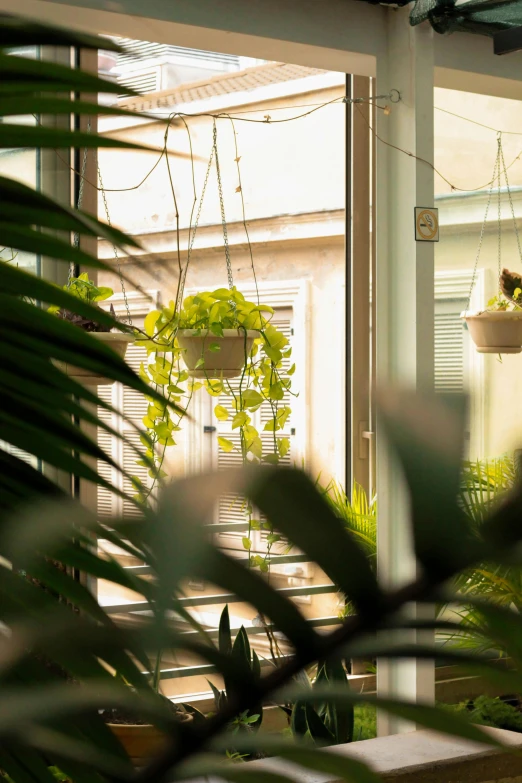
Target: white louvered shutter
(134, 406)
(449, 347)
(145, 80)
(20, 453)
(231, 507)
(106, 500)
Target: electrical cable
(268, 120)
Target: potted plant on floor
(83, 288)
(141, 740)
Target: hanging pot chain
(222, 207)
(483, 228)
(213, 156)
(115, 249)
(499, 168)
(76, 238)
(499, 214)
(194, 230)
(511, 205)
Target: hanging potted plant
(498, 328)
(261, 365)
(84, 289)
(222, 343)
(216, 331)
(261, 368)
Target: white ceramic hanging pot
(115, 340)
(496, 331)
(209, 356)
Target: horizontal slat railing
(206, 669)
(219, 598)
(181, 672)
(252, 630)
(144, 570)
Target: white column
(405, 305)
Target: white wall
(293, 185)
(465, 153)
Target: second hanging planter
(498, 329)
(84, 290)
(117, 341)
(495, 331)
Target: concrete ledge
(422, 757)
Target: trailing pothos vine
(265, 378)
(264, 374)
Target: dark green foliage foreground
(487, 711)
(365, 722)
(57, 665)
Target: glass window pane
(281, 196)
(22, 165)
(466, 147)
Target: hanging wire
(222, 208)
(511, 203)
(76, 238)
(499, 168)
(476, 122)
(482, 230)
(267, 120)
(214, 157)
(499, 212)
(243, 209)
(115, 249)
(394, 97)
(183, 276)
(499, 161)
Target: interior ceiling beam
(337, 35)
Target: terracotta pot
(228, 362)
(496, 331)
(115, 340)
(142, 742)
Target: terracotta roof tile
(222, 84)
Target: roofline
(218, 77)
(315, 83)
(476, 194)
